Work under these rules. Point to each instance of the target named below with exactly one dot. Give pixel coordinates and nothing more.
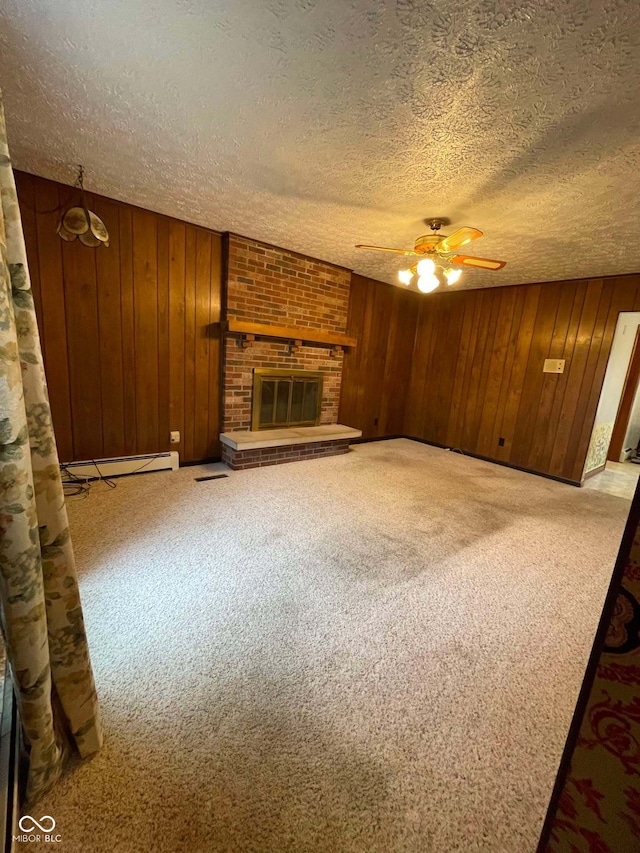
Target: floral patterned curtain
(41, 612)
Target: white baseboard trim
(94, 469)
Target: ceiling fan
(438, 251)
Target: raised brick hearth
(238, 460)
(247, 449)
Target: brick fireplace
(278, 288)
(270, 285)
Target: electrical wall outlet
(174, 437)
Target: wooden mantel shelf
(290, 333)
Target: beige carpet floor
(370, 653)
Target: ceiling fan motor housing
(428, 243)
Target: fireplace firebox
(285, 398)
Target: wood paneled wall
(376, 373)
(130, 353)
(476, 367)
(128, 347)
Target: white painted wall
(612, 387)
(632, 437)
(623, 338)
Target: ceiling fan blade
(459, 238)
(383, 249)
(481, 263)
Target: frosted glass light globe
(426, 266)
(427, 283)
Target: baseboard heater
(95, 469)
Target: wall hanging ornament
(81, 222)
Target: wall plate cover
(554, 365)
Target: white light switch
(554, 365)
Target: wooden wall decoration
(475, 367)
(129, 349)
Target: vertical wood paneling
(188, 438)
(582, 404)
(119, 352)
(435, 318)
(466, 309)
(484, 344)
(128, 330)
(539, 455)
(145, 300)
(164, 350)
(44, 249)
(474, 306)
(562, 380)
(30, 229)
(495, 449)
(390, 412)
(376, 372)
(444, 361)
(110, 331)
(413, 412)
(505, 306)
(83, 345)
(202, 340)
(398, 364)
(177, 242)
(528, 410)
(575, 368)
(518, 373)
(476, 373)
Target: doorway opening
(616, 431)
(625, 436)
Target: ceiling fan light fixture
(436, 254)
(427, 283)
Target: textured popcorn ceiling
(317, 124)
